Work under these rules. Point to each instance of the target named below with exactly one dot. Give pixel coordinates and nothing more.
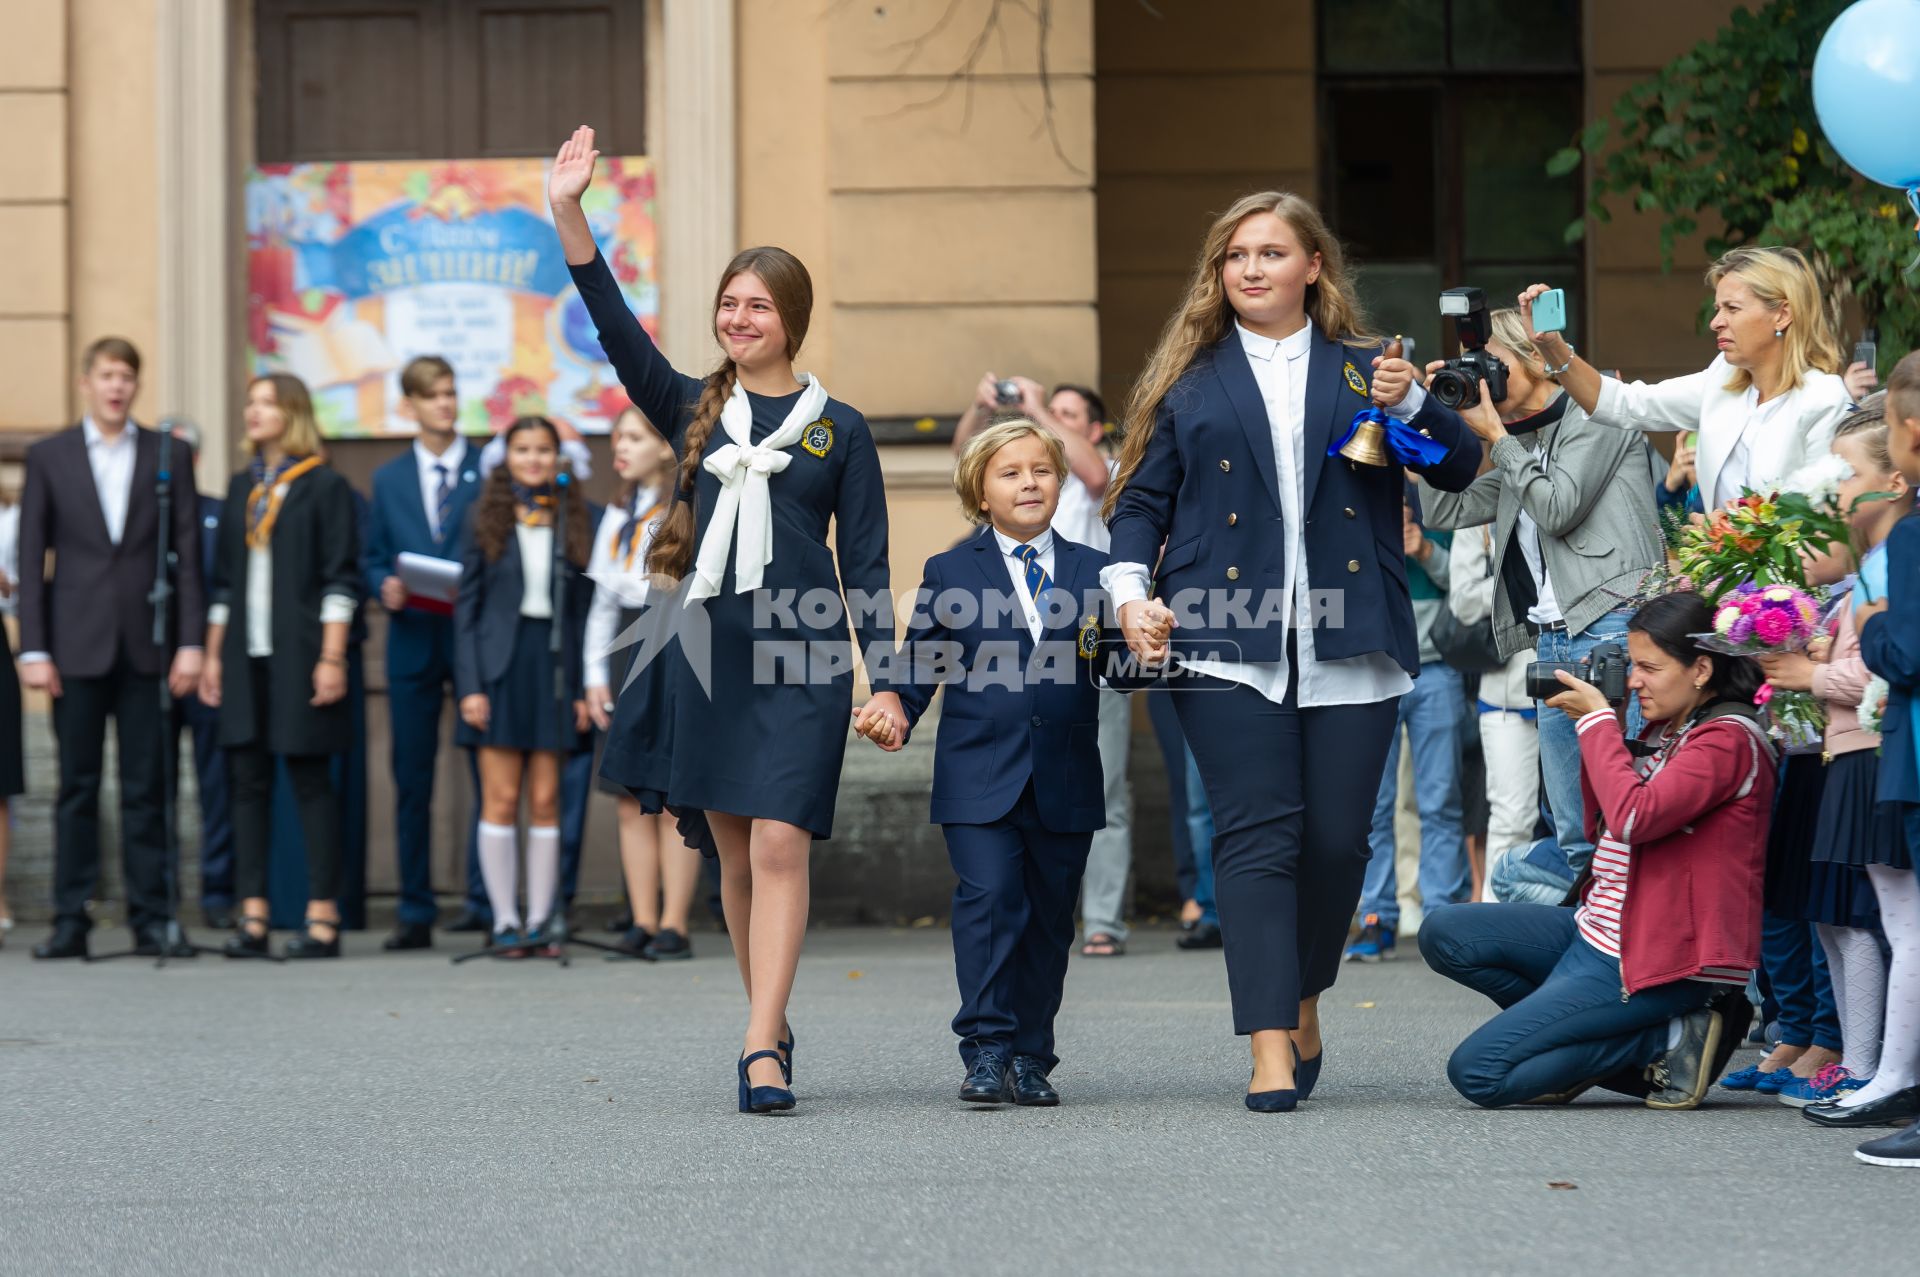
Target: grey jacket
(1587, 488)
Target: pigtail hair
(671, 554)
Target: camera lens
(1454, 389)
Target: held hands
(572, 170)
(1788, 671)
(1392, 376)
(393, 594)
(184, 676)
(1580, 698)
(883, 720)
(1147, 624)
(475, 711)
(329, 681)
(210, 682)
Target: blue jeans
(1560, 743)
(1537, 876)
(1431, 715)
(1562, 1020)
(1200, 838)
(1794, 967)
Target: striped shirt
(1604, 903)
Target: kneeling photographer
(1640, 988)
(1574, 534)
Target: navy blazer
(1208, 490)
(416, 641)
(486, 617)
(1890, 645)
(1015, 710)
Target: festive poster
(354, 269)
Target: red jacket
(1696, 816)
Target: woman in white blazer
(1765, 407)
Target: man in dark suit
(87, 640)
(209, 760)
(420, 501)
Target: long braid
(671, 554)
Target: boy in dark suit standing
(86, 635)
(420, 500)
(1008, 622)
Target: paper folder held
(432, 583)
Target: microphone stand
(559, 935)
(173, 941)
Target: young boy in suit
(1008, 622)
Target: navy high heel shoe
(1307, 1072)
(762, 1099)
(786, 1055)
(1283, 1101)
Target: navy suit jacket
(1015, 710)
(1207, 489)
(1890, 645)
(416, 641)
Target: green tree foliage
(1728, 130)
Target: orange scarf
(263, 503)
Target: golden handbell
(1368, 444)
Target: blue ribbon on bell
(1408, 446)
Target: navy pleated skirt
(1854, 829)
(524, 713)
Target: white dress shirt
(1280, 370)
(1077, 517)
(10, 554)
(112, 463)
(335, 609)
(536, 570)
(615, 586)
(452, 459)
(1017, 572)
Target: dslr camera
(1457, 384)
(1605, 668)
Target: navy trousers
(415, 704)
(216, 824)
(1286, 872)
(1012, 929)
(1562, 1020)
(1798, 988)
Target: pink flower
(1764, 695)
(1742, 631)
(1750, 605)
(1773, 626)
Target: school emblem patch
(818, 437)
(1355, 382)
(1088, 643)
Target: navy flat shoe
(762, 1099)
(1272, 1101)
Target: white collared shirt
(112, 463)
(453, 459)
(1017, 572)
(1280, 370)
(1077, 517)
(536, 570)
(615, 586)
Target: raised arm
(1721, 761)
(663, 394)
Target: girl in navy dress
(763, 694)
(660, 869)
(1292, 691)
(504, 669)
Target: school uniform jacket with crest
(416, 640)
(1208, 489)
(761, 729)
(316, 553)
(1015, 711)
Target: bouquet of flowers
(1753, 619)
(1873, 704)
(1761, 539)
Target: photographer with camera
(1574, 533)
(1640, 989)
(1077, 417)
(1765, 408)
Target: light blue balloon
(1866, 89)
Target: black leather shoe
(989, 1081)
(669, 946)
(471, 921)
(69, 940)
(308, 945)
(1902, 1148)
(1888, 1111)
(1030, 1085)
(1202, 935)
(249, 939)
(409, 935)
(218, 917)
(149, 940)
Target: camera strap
(1540, 420)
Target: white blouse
(536, 570)
(615, 587)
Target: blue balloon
(1866, 89)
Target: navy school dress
(1017, 784)
(509, 658)
(760, 704)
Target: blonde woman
(1290, 609)
(284, 591)
(1767, 404)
